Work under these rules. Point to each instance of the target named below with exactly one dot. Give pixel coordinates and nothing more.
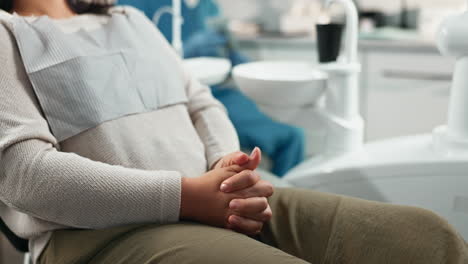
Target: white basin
(281, 83)
(208, 70)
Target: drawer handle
(424, 76)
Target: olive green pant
(307, 227)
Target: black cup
(329, 41)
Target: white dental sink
(281, 83)
(209, 71)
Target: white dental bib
(85, 78)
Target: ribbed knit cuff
(171, 197)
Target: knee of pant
(436, 228)
(442, 239)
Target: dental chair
(18, 243)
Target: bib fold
(86, 78)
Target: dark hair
(78, 6)
(6, 5)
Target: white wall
(395, 5)
(246, 9)
(249, 9)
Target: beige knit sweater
(125, 171)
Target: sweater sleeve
(64, 188)
(211, 122)
(208, 115)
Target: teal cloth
(195, 18)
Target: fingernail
(256, 149)
(253, 152)
(234, 205)
(224, 187)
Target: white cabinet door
(406, 93)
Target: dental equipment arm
(352, 23)
(452, 40)
(345, 124)
(177, 22)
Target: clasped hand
(231, 195)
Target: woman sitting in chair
(111, 153)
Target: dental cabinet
(405, 84)
(406, 92)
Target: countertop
(386, 40)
